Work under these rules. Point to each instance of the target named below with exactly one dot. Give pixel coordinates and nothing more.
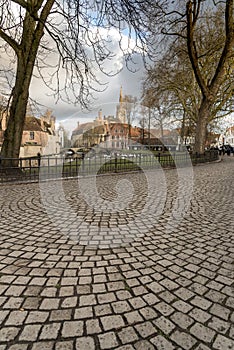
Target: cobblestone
(223, 343)
(84, 343)
(182, 320)
(72, 329)
(50, 331)
(112, 322)
(93, 326)
(8, 333)
(202, 332)
(199, 315)
(162, 343)
(64, 345)
(219, 325)
(186, 341)
(108, 340)
(143, 345)
(165, 325)
(16, 318)
(168, 286)
(145, 329)
(220, 311)
(30, 333)
(127, 335)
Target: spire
(121, 95)
(100, 115)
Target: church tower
(120, 109)
(121, 95)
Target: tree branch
(22, 3)
(228, 47)
(15, 46)
(192, 49)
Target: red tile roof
(32, 124)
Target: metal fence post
(38, 160)
(82, 160)
(116, 162)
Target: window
(31, 135)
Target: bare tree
(74, 32)
(130, 108)
(206, 30)
(170, 90)
(159, 106)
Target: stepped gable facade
(39, 135)
(108, 132)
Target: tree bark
(13, 133)
(26, 55)
(201, 128)
(209, 90)
(26, 52)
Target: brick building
(39, 135)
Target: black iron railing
(53, 167)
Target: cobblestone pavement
(168, 288)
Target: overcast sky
(130, 80)
(68, 114)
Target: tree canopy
(72, 39)
(195, 66)
(65, 42)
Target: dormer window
(31, 135)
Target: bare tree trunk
(182, 132)
(201, 129)
(15, 125)
(26, 52)
(13, 133)
(161, 128)
(149, 126)
(209, 90)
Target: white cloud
(69, 115)
(131, 82)
(129, 78)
